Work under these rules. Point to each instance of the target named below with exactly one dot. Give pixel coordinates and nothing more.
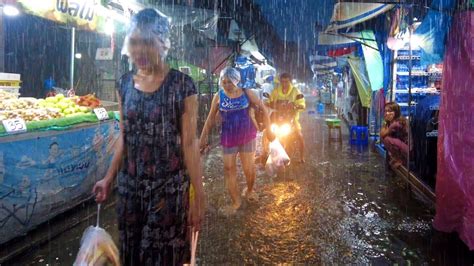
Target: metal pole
(73, 44)
(209, 69)
(394, 75)
(410, 66)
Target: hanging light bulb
(109, 27)
(10, 10)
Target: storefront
(53, 150)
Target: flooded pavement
(341, 207)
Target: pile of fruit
(88, 100)
(31, 109)
(30, 114)
(65, 106)
(15, 104)
(5, 95)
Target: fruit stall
(52, 151)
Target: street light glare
(11, 11)
(109, 27)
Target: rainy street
(236, 132)
(341, 207)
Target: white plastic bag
(277, 158)
(97, 249)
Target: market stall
(51, 152)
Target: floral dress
(153, 186)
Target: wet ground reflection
(341, 207)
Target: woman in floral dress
(157, 157)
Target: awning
(335, 44)
(362, 80)
(335, 40)
(339, 44)
(322, 64)
(431, 34)
(373, 60)
(350, 14)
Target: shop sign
(101, 114)
(104, 54)
(13, 126)
(85, 14)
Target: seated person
(394, 135)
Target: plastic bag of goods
(97, 249)
(278, 157)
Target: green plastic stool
(334, 124)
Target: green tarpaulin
(63, 123)
(373, 60)
(362, 81)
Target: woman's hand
(203, 144)
(102, 190)
(395, 126)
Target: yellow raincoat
(278, 95)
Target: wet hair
(152, 25)
(286, 76)
(231, 74)
(394, 107)
(150, 19)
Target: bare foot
(250, 196)
(229, 210)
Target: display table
(51, 168)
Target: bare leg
(248, 166)
(230, 175)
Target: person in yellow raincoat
(286, 92)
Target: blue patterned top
(237, 126)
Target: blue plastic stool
(359, 135)
(321, 108)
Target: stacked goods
(89, 100)
(5, 95)
(65, 106)
(21, 103)
(30, 114)
(31, 109)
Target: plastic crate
(402, 65)
(416, 82)
(401, 97)
(406, 111)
